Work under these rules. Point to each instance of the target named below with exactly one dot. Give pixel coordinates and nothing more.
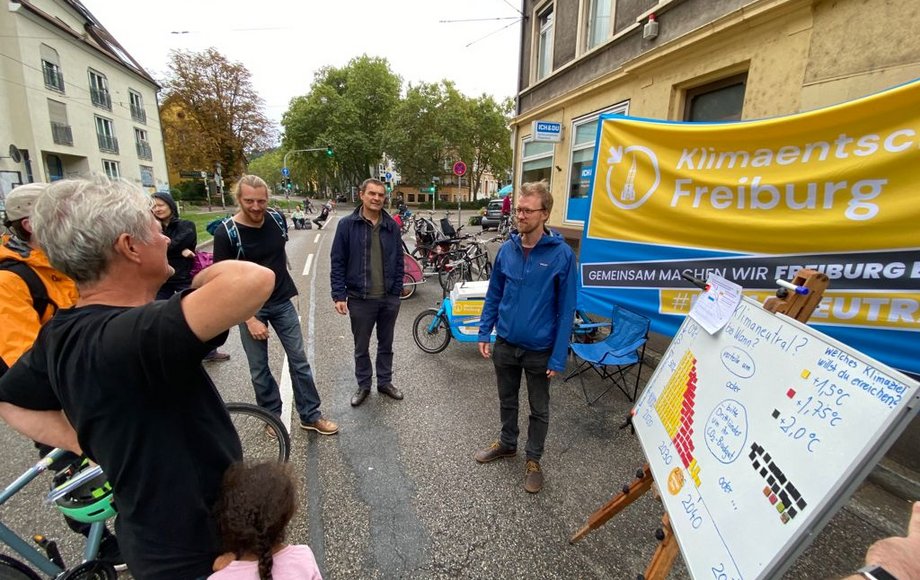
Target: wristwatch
(876, 572)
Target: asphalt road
(396, 494)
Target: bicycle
(261, 433)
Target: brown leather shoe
(322, 426)
(533, 477)
(359, 397)
(493, 452)
(390, 391)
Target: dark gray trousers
(510, 362)
(366, 314)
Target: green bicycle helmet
(91, 501)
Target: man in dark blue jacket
(531, 305)
(367, 280)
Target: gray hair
(253, 181)
(77, 222)
(538, 189)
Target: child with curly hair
(256, 503)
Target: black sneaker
(110, 553)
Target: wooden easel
(792, 304)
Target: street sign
(547, 131)
(459, 168)
(389, 176)
(285, 172)
(194, 174)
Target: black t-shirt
(130, 381)
(264, 246)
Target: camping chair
(587, 328)
(612, 358)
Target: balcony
(144, 151)
(54, 79)
(107, 143)
(138, 113)
(61, 133)
(101, 98)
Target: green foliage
(268, 167)
(190, 190)
(347, 109)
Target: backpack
(201, 261)
(234, 233)
(40, 299)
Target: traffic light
(287, 183)
(329, 151)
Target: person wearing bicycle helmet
(119, 376)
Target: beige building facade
(72, 100)
(701, 60)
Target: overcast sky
(284, 43)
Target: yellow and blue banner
(835, 189)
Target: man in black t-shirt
(253, 238)
(119, 377)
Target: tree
(268, 166)
(348, 109)
(215, 115)
(490, 139)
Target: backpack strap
(234, 234)
(279, 220)
(40, 299)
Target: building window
(719, 101)
(581, 169)
(582, 159)
(51, 68)
(537, 162)
(61, 132)
(545, 43)
(111, 168)
(55, 168)
(137, 107)
(147, 176)
(599, 25)
(105, 133)
(99, 90)
(143, 146)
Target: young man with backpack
(259, 234)
(31, 291)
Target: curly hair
(256, 503)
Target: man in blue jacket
(531, 305)
(367, 280)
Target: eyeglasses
(527, 212)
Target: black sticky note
(771, 480)
(792, 491)
(801, 503)
(766, 458)
(776, 413)
(791, 511)
(785, 497)
(763, 472)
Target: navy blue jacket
(351, 255)
(531, 303)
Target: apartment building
(690, 60)
(72, 100)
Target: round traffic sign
(459, 168)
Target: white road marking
(316, 239)
(306, 268)
(287, 394)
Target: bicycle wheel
(408, 289)
(430, 331)
(92, 570)
(13, 569)
(262, 434)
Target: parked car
(341, 198)
(493, 215)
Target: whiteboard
(757, 434)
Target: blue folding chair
(623, 350)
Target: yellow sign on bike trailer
(467, 307)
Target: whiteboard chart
(757, 434)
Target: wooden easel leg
(629, 494)
(665, 554)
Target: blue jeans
(282, 317)
(510, 362)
